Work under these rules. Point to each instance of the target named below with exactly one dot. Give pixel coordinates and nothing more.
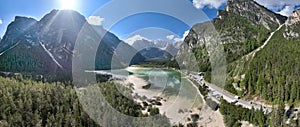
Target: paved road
(216, 92)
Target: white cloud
(270, 4)
(287, 10)
(1, 21)
(95, 20)
(176, 39)
(278, 4)
(170, 37)
(199, 4)
(186, 33)
(135, 38)
(138, 37)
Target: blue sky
(38, 8)
(153, 25)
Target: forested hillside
(271, 73)
(274, 72)
(30, 103)
(47, 47)
(238, 30)
(262, 58)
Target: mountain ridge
(22, 24)
(273, 72)
(255, 12)
(261, 73)
(46, 47)
(238, 29)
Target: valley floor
(178, 112)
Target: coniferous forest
(24, 102)
(260, 70)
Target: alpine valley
(247, 72)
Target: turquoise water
(170, 82)
(165, 81)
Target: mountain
(294, 18)
(241, 28)
(22, 52)
(46, 47)
(273, 73)
(14, 30)
(154, 50)
(261, 48)
(155, 54)
(255, 13)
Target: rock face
(255, 13)
(292, 26)
(46, 47)
(294, 18)
(57, 32)
(14, 30)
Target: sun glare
(68, 4)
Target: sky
(152, 19)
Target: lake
(177, 91)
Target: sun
(67, 4)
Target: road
(216, 92)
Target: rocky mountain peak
(255, 12)
(60, 27)
(20, 24)
(232, 4)
(63, 14)
(15, 29)
(294, 18)
(24, 19)
(62, 19)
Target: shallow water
(172, 86)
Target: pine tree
(294, 90)
(259, 84)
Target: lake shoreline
(167, 104)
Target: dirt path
(252, 54)
(9, 48)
